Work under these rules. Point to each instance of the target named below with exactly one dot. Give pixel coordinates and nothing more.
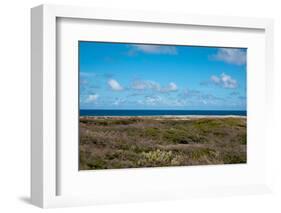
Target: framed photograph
(129, 106)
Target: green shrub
(234, 158)
(152, 132)
(177, 136)
(203, 152)
(243, 139)
(156, 158)
(97, 164)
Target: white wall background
(15, 104)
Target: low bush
(121, 142)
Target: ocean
(132, 112)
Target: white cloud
(114, 85)
(215, 79)
(170, 88)
(231, 56)
(151, 85)
(143, 85)
(155, 49)
(228, 81)
(173, 86)
(92, 98)
(224, 80)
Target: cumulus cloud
(154, 49)
(228, 81)
(231, 56)
(114, 85)
(92, 98)
(172, 87)
(143, 85)
(152, 85)
(215, 79)
(224, 80)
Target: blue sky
(138, 76)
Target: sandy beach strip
(168, 117)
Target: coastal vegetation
(133, 142)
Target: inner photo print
(146, 105)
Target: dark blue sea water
(113, 112)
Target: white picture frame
(45, 166)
